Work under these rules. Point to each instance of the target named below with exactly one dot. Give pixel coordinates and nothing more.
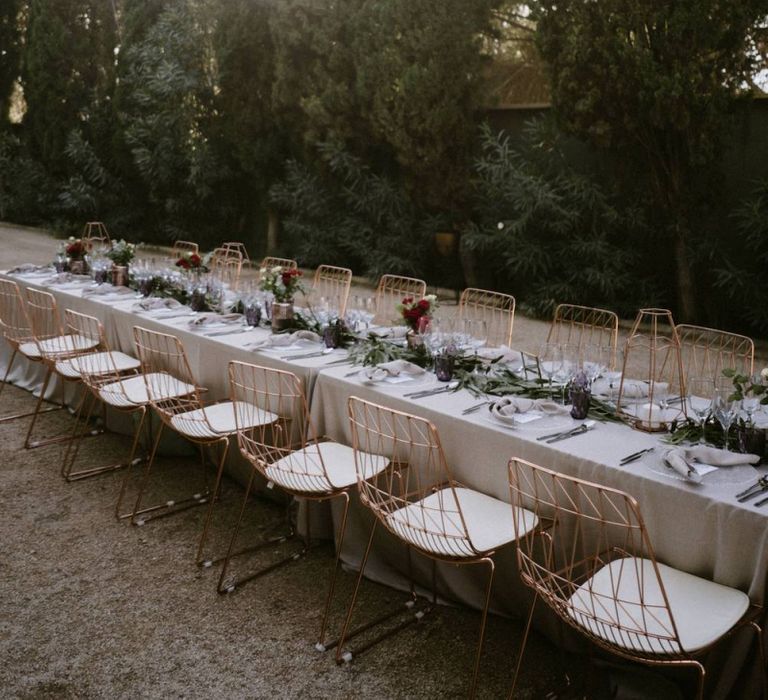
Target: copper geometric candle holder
(95, 232)
(652, 387)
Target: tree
(10, 49)
(652, 83)
(67, 72)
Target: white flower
(431, 298)
(764, 373)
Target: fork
(754, 490)
(475, 408)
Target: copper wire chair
(287, 453)
(17, 332)
(54, 345)
(584, 325)
(333, 284)
(175, 397)
(418, 501)
(495, 308)
(390, 291)
(226, 266)
(95, 232)
(182, 247)
(591, 561)
(270, 261)
(706, 352)
(95, 370)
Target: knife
(635, 456)
(228, 331)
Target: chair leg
(761, 656)
(483, 621)
(67, 467)
(82, 418)
(48, 373)
(702, 673)
(16, 416)
(214, 496)
(228, 585)
(414, 615)
(522, 647)
(321, 645)
(170, 507)
(136, 440)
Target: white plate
(403, 380)
(719, 476)
(532, 420)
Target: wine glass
(700, 390)
(550, 362)
(724, 410)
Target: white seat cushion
(30, 350)
(433, 523)
(67, 344)
(218, 419)
(302, 470)
(702, 610)
(133, 391)
(96, 364)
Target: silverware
(583, 428)
(762, 503)
(341, 361)
(307, 355)
(431, 392)
(754, 490)
(352, 374)
(635, 456)
(227, 331)
(475, 408)
(554, 435)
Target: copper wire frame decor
(95, 232)
(652, 368)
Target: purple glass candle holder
(253, 315)
(444, 365)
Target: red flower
(424, 305)
(195, 260)
(183, 262)
(407, 300)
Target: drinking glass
(724, 411)
(700, 391)
(550, 362)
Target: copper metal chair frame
(291, 401)
(708, 351)
(271, 261)
(333, 281)
(497, 309)
(560, 570)
(391, 290)
(584, 325)
(396, 479)
(181, 247)
(16, 331)
(83, 417)
(45, 326)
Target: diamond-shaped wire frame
(95, 232)
(652, 372)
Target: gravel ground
(92, 607)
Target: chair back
(495, 308)
(94, 370)
(43, 314)
(182, 247)
(585, 325)
(270, 261)
(226, 265)
(404, 497)
(391, 290)
(592, 561)
(14, 322)
(95, 232)
(706, 352)
(171, 386)
(332, 284)
(274, 430)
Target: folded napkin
(633, 388)
(155, 303)
(395, 368)
(107, 289)
(505, 409)
(390, 331)
(62, 278)
(682, 459)
(212, 318)
(506, 353)
(28, 268)
(284, 340)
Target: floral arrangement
(121, 253)
(283, 282)
(190, 261)
(417, 313)
(75, 248)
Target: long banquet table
(701, 529)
